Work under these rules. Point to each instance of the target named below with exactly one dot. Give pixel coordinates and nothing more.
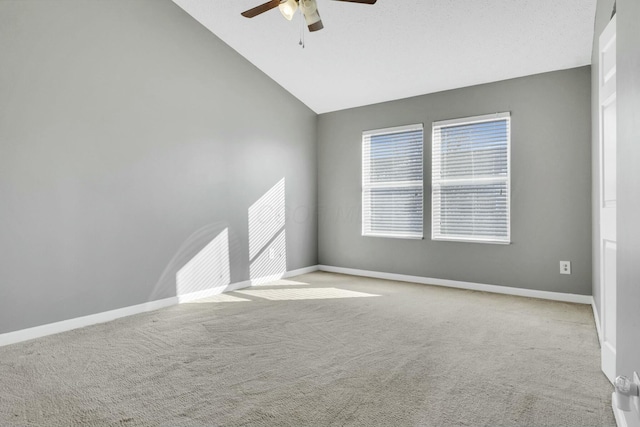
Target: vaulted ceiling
(400, 48)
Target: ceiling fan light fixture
(312, 18)
(288, 8)
(308, 7)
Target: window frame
(507, 179)
(367, 186)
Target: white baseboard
(554, 296)
(106, 316)
(301, 271)
(80, 322)
(283, 275)
(192, 296)
(621, 420)
(596, 318)
(624, 418)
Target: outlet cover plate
(565, 267)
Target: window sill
(469, 240)
(392, 236)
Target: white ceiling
(400, 48)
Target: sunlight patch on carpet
(218, 298)
(283, 282)
(304, 294)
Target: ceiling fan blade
(261, 9)
(360, 1)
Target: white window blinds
(471, 179)
(392, 182)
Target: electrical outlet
(565, 267)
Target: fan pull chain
(301, 43)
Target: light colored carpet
(329, 350)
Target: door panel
(609, 113)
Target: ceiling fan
(288, 8)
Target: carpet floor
(319, 350)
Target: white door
(607, 200)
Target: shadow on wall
(208, 271)
(202, 265)
(203, 256)
(267, 236)
(204, 269)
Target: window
(392, 182)
(470, 182)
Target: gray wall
(628, 292)
(130, 137)
(551, 186)
(603, 16)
